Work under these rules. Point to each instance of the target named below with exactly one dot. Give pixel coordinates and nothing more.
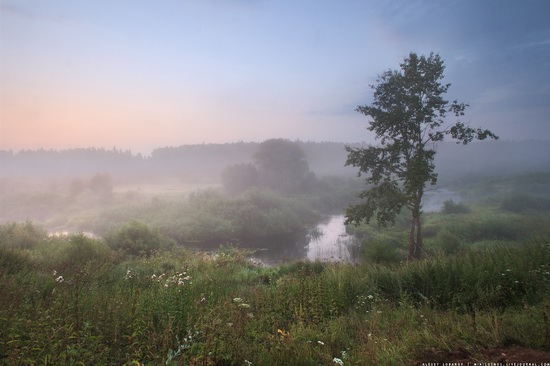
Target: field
(482, 293)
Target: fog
(97, 190)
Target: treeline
(206, 162)
(201, 162)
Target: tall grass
(73, 300)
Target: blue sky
(144, 74)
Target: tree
(282, 166)
(409, 118)
(137, 239)
(239, 177)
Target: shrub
(21, 235)
(450, 207)
(383, 251)
(520, 203)
(138, 239)
(13, 261)
(448, 242)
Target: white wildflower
(338, 361)
(321, 343)
(59, 279)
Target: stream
(328, 241)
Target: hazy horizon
(139, 76)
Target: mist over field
(240, 249)
(52, 187)
(246, 182)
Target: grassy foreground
(75, 301)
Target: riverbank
(71, 299)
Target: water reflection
(333, 243)
(328, 241)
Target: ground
(500, 355)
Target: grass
(137, 299)
(74, 300)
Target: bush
(520, 203)
(383, 251)
(13, 261)
(138, 239)
(450, 207)
(448, 242)
(78, 254)
(21, 235)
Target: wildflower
(338, 361)
(282, 333)
(370, 297)
(54, 272)
(248, 363)
(59, 279)
(243, 305)
(238, 299)
(321, 343)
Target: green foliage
(21, 235)
(13, 261)
(383, 251)
(138, 239)
(448, 242)
(73, 300)
(282, 166)
(450, 207)
(238, 178)
(184, 308)
(525, 203)
(408, 116)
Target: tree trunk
(419, 249)
(412, 243)
(415, 232)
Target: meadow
(135, 297)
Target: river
(329, 241)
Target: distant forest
(205, 162)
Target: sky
(140, 74)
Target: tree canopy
(408, 117)
(282, 165)
(278, 164)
